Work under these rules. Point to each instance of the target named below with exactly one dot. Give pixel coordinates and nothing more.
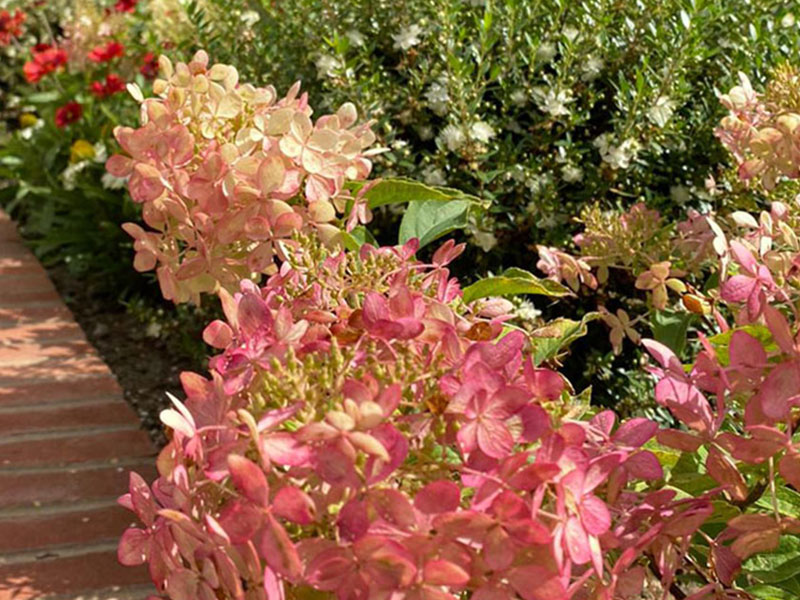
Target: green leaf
(353, 240)
(721, 341)
(552, 339)
(514, 281)
(431, 219)
(670, 327)
(43, 97)
(400, 191)
(788, 501)
(777, 566)
(769, 592)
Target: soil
(143, 365)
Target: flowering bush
(543, 110)
(369, 428)
(217, 167)
(65, 70)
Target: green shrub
(541, 107)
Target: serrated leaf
(514, 281)
(428, 220)
(552, 339)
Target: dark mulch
(144, 366)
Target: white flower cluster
(407, 38)
(327, 65)
(433, 176)
(591, 68)
(661, 111)
(481, 132)
(452, 137)
(438, 97)
(617, 157)
(553, 102)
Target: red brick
(25, 282)
(54, 392)
(13, 317)
(90, 526)
(67, 575)
(86, 446)
(12, 297)
(13, 249)
(43, 331)
(65, 369)
(25, 354)
(25, 263)
(8, 232)
(53, 418)
(62, 486)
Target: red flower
(113, 85)
(10, 26)
(127, 6)
(107, 52)
(149, 66)
(46, 59)
(69, 113)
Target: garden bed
(143, 363)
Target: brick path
(67, 441)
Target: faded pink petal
(249, 479)
(437, 497)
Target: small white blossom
(250, 18)
(553, 102)
(788, 20)
(407, 38)
(591, 68)
(546, 52)
(27, 133)
(547, 222)
(537, 184)
(481, 132)
(679, 194)
(437, 97)
(110, 182)
(327, 65)
(517, 173)
(433, 176)
(571, 174)
(618, 157)
(425, 132)
(661, 111)
(100, 152)
(570, 33)
(399, 144)
(452, 137)
(69, 175)
(527, 311)
(356, 37)
(485, 240)
(153, 330)
(519, 97)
